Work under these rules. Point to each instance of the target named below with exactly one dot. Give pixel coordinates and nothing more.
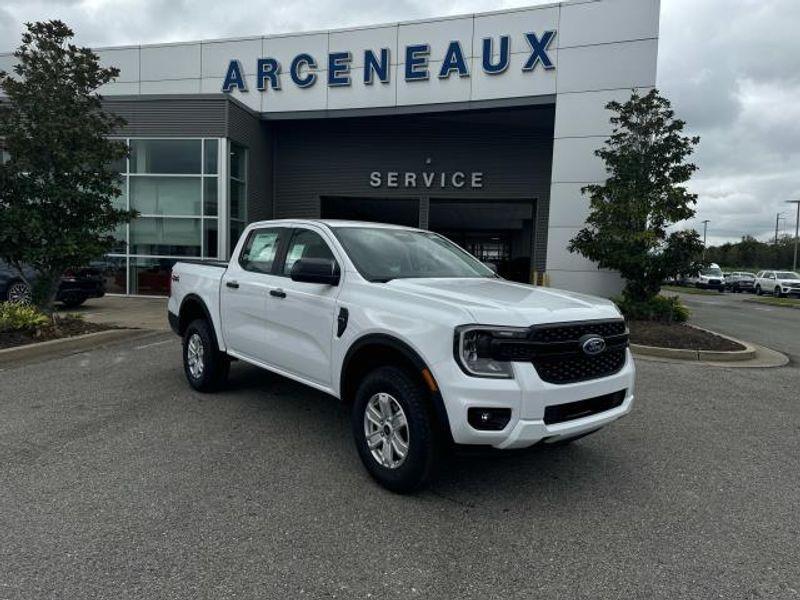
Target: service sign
(305, 70)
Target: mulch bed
(67, 327)
(678, 335)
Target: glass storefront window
(173, 237)
(238, 199)
(150, 276)
(210, 196)
(210, 233)
(237, 162)
(171, 157)
(174, 186)
(114, 269)
(121, 201)
(210, 152)
(166, 195)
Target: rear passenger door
(302, 315)
(244, 292)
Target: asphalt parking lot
(117, 481)
(776, 327)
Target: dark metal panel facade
(249, 130)
(178, 116)
(512, 148)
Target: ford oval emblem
(592, 345)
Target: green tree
(631, 213)
(58, 187)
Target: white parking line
(153, 344)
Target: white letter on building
(477, 179)
(375, 179)
(411, 180)
(458, 179)
(391, 179)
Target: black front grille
(575, 367)
(582, 408)
(559, 357)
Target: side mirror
(491, 266)
(316, 270)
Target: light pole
(778, 217)
(796, 226)
(705, 231)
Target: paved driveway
(776, 327)
(117, 481)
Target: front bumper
(527, 396)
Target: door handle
(277, 293)
(232, 284)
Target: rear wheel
(18, 292)
(394, 430)
(206, 368)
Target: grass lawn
(788, 302)
(689, 290)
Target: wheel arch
(193, 307)
(377, 349)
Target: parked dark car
(75, 288)
(740, 281)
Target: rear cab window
(261, 249)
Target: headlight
(472, 349)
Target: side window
(260, 249)
(305, 244)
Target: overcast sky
(731, 67)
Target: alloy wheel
(386, 430)
(194, 356)
(19, 293)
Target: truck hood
(500, 302)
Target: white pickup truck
(424, 341)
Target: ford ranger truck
(426, 343)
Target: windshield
(384, 254)
(787, 275)
(714, 271)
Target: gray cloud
(731, 67)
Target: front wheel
(206, 368)
(777, 292)
(394, 430)
(18, 292)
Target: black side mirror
(491, 266)
(316, 270)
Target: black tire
(215, 365)
(424, 452)
(777, 292)
(73, 301)
(758, 290)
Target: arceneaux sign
(302, 69)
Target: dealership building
(481, 127)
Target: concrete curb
(66, 345)
(708, 356)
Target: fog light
(488, 419)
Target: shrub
(659, 308)
(16, 317)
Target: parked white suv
(709, 277)
(778, 283)
(428, 345)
